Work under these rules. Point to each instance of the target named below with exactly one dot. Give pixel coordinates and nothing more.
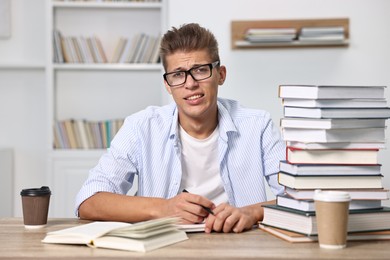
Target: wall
(23, 108)
(253, 76)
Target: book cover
(330, 91)
(140, 237)
(337, 145)
(294, 237)
(305, 222)
(308, 205)
(356, 102)
(375, 134)
(330, 182)
(310, 112)
(329, 169)
(332, 156)
(331, 123)
(356, 194)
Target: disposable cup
(332, 218)
(35, 204)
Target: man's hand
(230, 219)
(189, 207)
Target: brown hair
(189, 37)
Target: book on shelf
(338, 145)
(344, 112)
(356, 102)
(332, 156)
(321, 30)
(294, 237)
(334, 38)
(330, 181)
(308, 205)
(139, 237)
(305, 222)
(331, 91)
(331, 123)
(356, 194)
(329, 169)
(270, 34)
(119, 50)
(373, 134)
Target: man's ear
(222, 75)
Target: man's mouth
(194, 97)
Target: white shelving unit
(96, 91)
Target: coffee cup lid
(331, 195)
(44, 190)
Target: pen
(205, 208)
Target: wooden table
(18, 243)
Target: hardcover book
(330, 91)
(140, 237)
(305, 222)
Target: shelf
(108, 66)
(78, 153)
(22, 66)
(105, 5)
(239, 28)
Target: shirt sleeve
(274, 151)
(115, 170)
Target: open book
(140, 237)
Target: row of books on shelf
(143, 48)
(331, 153)
(327, 34)
(83, 134)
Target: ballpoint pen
(205, 208)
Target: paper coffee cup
(35, 204)
(332, 211)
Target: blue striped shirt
(148, 145)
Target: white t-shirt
(200, 167)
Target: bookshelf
(239, 29)
(96, 92)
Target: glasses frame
(211, 66)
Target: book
(329, 169)
(374, 134)
(332, 156)
(356, 102)
(330, 182)
(294, 237)
(343, 112)
(356, 194)
(331, 91)
(308, 205)
(305, 222)
(141, 237)
(190, 228)
(331, 123)
(337, 145)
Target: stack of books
(267, 35)
(322, 34)
(333, 136)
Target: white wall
(253, 76)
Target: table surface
(16, 242)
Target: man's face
(196, 100)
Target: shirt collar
(225, 122)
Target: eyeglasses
(198, 73)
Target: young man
(218, 151)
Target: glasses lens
(176, 78)
(201, 72)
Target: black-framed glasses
(198, 73)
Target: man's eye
(178, 74)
